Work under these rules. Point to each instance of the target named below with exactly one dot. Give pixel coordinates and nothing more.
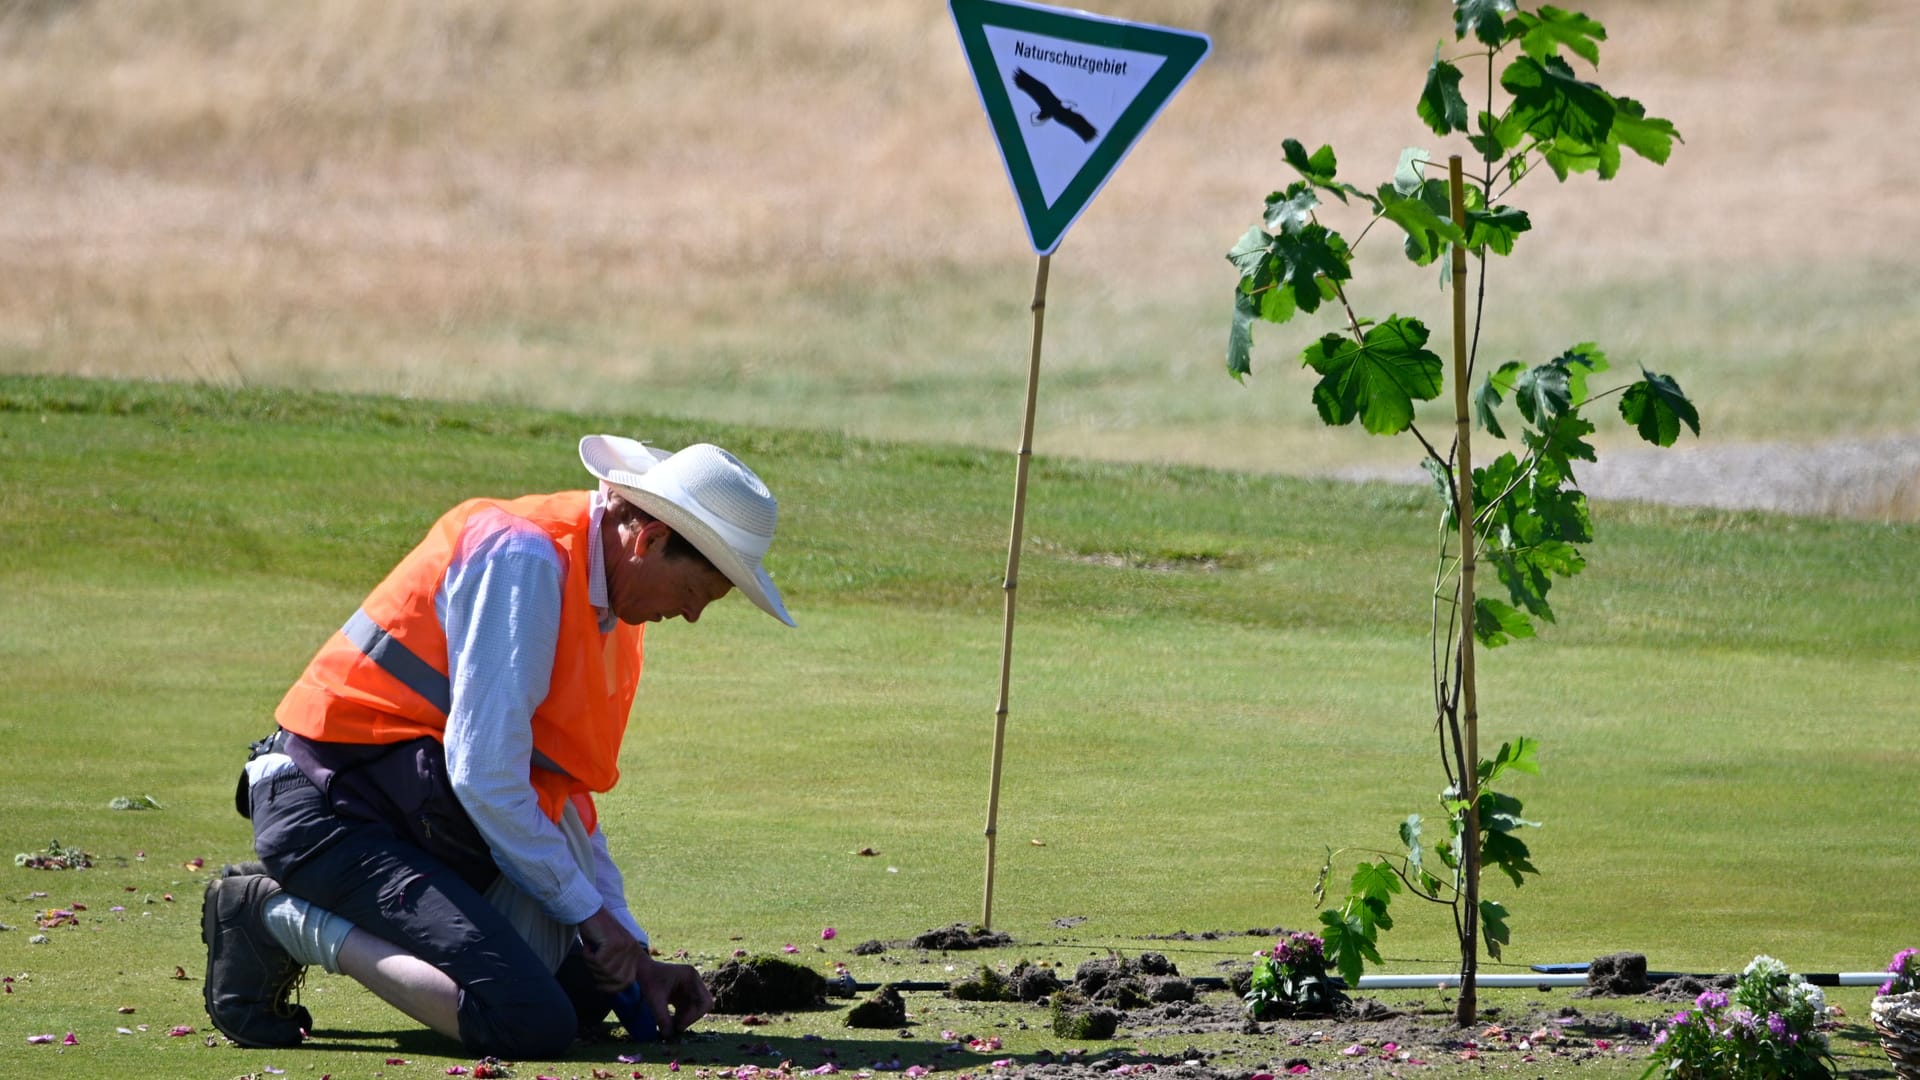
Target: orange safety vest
(382, 678)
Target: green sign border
(1183, 50)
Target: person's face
(645, 585)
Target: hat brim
(622, 463)
(751, 580)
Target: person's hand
(614, 955)
(676, 993)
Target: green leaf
(1493, 926)
(1407, 175)
(1442, 107)
(1542, 394)
(1374, 881)
(1250, 255)
(1501, 813)
(1378, 380)
(1509, 854)
(1495, 229)
(1488, 397)
(1563, 442)
(1542, 35)
(1410, 836)
(1495, 623)
(1551, 104)
(1657, 407)
(1240, 337)
(1649, 136)
(1293, 211)
(1319, 169)
(1348, 944)
(1425, 219)
(1581, 361)
(1520, 755)
(1482, 19)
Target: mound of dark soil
(1617, 975)
(885, 1009)
(764, 984)
(960, 937)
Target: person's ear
(652, 539)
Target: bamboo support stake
(1469, 716)
(1012, 583)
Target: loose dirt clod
(1076, 1017)
(885, 1009)
(1617, 975)
(762, 984)
(870, 948)
(986, 984)
(960, 937)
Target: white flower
(1767, 966)
(1813, 996)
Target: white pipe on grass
(1452, 980)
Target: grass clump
(1077, 1017)
(765, 984)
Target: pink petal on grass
(825, 1070)
(827, 934)
(1301, 1069)
(1354, 1051)
(789, 948)
(179, 1030)
(70, 1040)
(33, 1039)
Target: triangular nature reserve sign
(1068, 93)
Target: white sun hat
(704, 494)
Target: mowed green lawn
(1216, 677)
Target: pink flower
(673, 1066)
(70, 1040)
(827, 934)
(1003, 1063)
(1355, 1050)
(180, 1030)
(1300, 1069)
(1602, 1044)
(949, 1035)
(456, 1070)
(916, 1071)
(1390, 1048)
(790, 948)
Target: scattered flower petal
(70, 1040)
(179, 1030)
(825, 1070)
(1354, 1051)
(33, 1039)
(628, 1059)
(1301, 1069)
(1003, 1063)
(790, 947)
(179, 972)
(124, 1030)
(828, 933)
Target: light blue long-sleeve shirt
(499, 605)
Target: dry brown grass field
(793, 213)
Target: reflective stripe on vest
(394, 658)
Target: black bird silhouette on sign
(1050, 107)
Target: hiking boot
(243, 869)
(250, 978)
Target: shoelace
(286, 988)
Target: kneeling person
(424, 812)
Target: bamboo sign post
(1469, 704)
(1067, 94)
